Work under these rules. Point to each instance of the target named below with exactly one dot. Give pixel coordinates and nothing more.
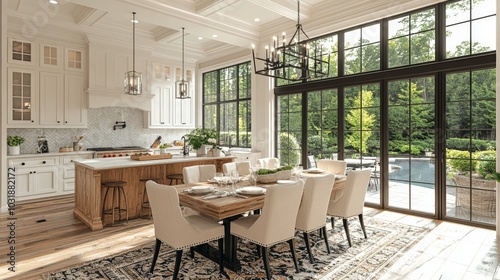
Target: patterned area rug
(366, 259)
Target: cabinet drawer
(34, 162)
(68, 172)
(68, 160)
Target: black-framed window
(227, 104)
(415, 126)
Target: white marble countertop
(113, 163)
(50, 154)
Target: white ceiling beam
(86, 16)
(209, 7)
(285, 8)
(158, 13)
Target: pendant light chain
(183, 54)
(133, 43)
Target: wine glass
(235, 177)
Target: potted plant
(198, 139)
(13, 141)
(163, 148)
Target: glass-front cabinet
(21, 96)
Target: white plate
(285, 182)
(251, 190)
(200, 189)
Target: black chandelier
(295, 61)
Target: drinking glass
(235, 177)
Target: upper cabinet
(166, 110)
(46, 85)
(22, 99)
(74, 59)
(50, 56)
(22, 52)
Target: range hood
(98, 98)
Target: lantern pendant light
(133, 79)
(182, 86)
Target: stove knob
(114, 155)
(120, 155)
(126, 154)
(104, 156)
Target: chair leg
(291, 242)
(360, 216)
(178, 257)
(326, 239)
(155, 256)
(191, 251)
(332, 222)
(265, 258)
(346, 227)
(308, 246)
(259, 248)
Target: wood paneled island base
(90, 173)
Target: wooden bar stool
(145, 200)
(178, 178)
(117, 192)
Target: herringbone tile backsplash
(100, 132)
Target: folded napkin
(216, 195)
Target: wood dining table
(227, 209)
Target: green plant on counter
(265, 171)
(163, 146)
(14, 140)
(199, 137)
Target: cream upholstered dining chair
(338, 167)
(350, 203)
(243, 167)
(198, 173)
(178, 231)
(312, 211)
(268, 162)
(275, 224)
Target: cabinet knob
(32, 121)
(66, 122)
(23, 163)
(162, 123)
(58, 122)
(44, 162)
(34, 171)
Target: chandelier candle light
(133, 79)
(182, 86)
(294, 61)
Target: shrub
(289, 149)
(485, 163)
(459, 160)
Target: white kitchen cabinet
(161, 112)
(62, 100)
(74, 59)
(50, 56)
(35, 177)
(45, 176)
(67, 168)
(184, 112)
(51, 98)
(22, 51)
(75, 112)
(22, 97)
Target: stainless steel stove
(111, 152)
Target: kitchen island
(91, 172)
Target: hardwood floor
(48, 237)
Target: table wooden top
(220, 208)
(228, 206)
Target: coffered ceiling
(214, 28)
